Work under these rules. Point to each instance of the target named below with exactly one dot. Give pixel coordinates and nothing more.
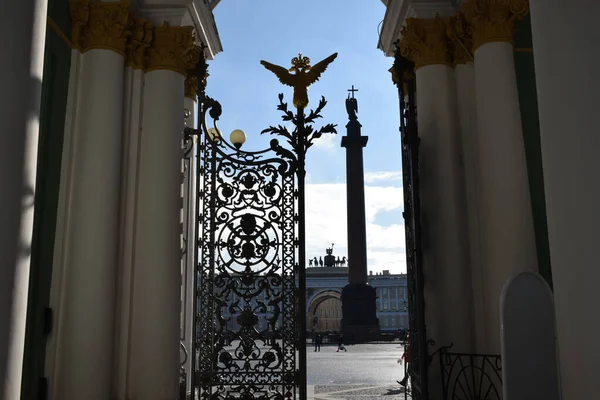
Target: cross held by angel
(300, 76)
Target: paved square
(365, 371)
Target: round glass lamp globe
(237, 138)
(214, 134)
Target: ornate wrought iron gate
(403, 72)
(249, 313)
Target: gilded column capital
(139, 42)
(100, 25)
(459, 33)
(424, 41)
(494, 20)
(170, 48)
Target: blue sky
(276, 31)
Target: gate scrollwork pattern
(247, 311)
(250, 256)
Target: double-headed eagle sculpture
(302, 77)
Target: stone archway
(325, 311)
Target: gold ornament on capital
(493, 20)
(139, 42)
(100, 25)
(170, 48)
(459, 33)
(192, 58)
(425, 42)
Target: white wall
(566, 55)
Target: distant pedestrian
(341, 344)
(318, 342)
(407, 360)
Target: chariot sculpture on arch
(329, 260)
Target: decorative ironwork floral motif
(250, 245)
(247, 307)
(420, 360)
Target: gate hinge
(42, 388)
(48, 320)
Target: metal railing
(471, 376)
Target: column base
(359, 313)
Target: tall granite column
(359, 319)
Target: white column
(84, 276)
(467, 113)
(507, 236)
(134, 75)
(507, 239)
(448, 311)
(445, 248)
(154, 340)
(568, 88)
(447, 289)
(86, 309)
(22, 40)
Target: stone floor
(356, 392)
(365, 371)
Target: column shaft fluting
(22, 39)
(568, 89)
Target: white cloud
(371, 177)
(327, 142)
(326, 223)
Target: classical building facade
(324, 304)
(91, 112)
(325, 278)
(324, 284)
